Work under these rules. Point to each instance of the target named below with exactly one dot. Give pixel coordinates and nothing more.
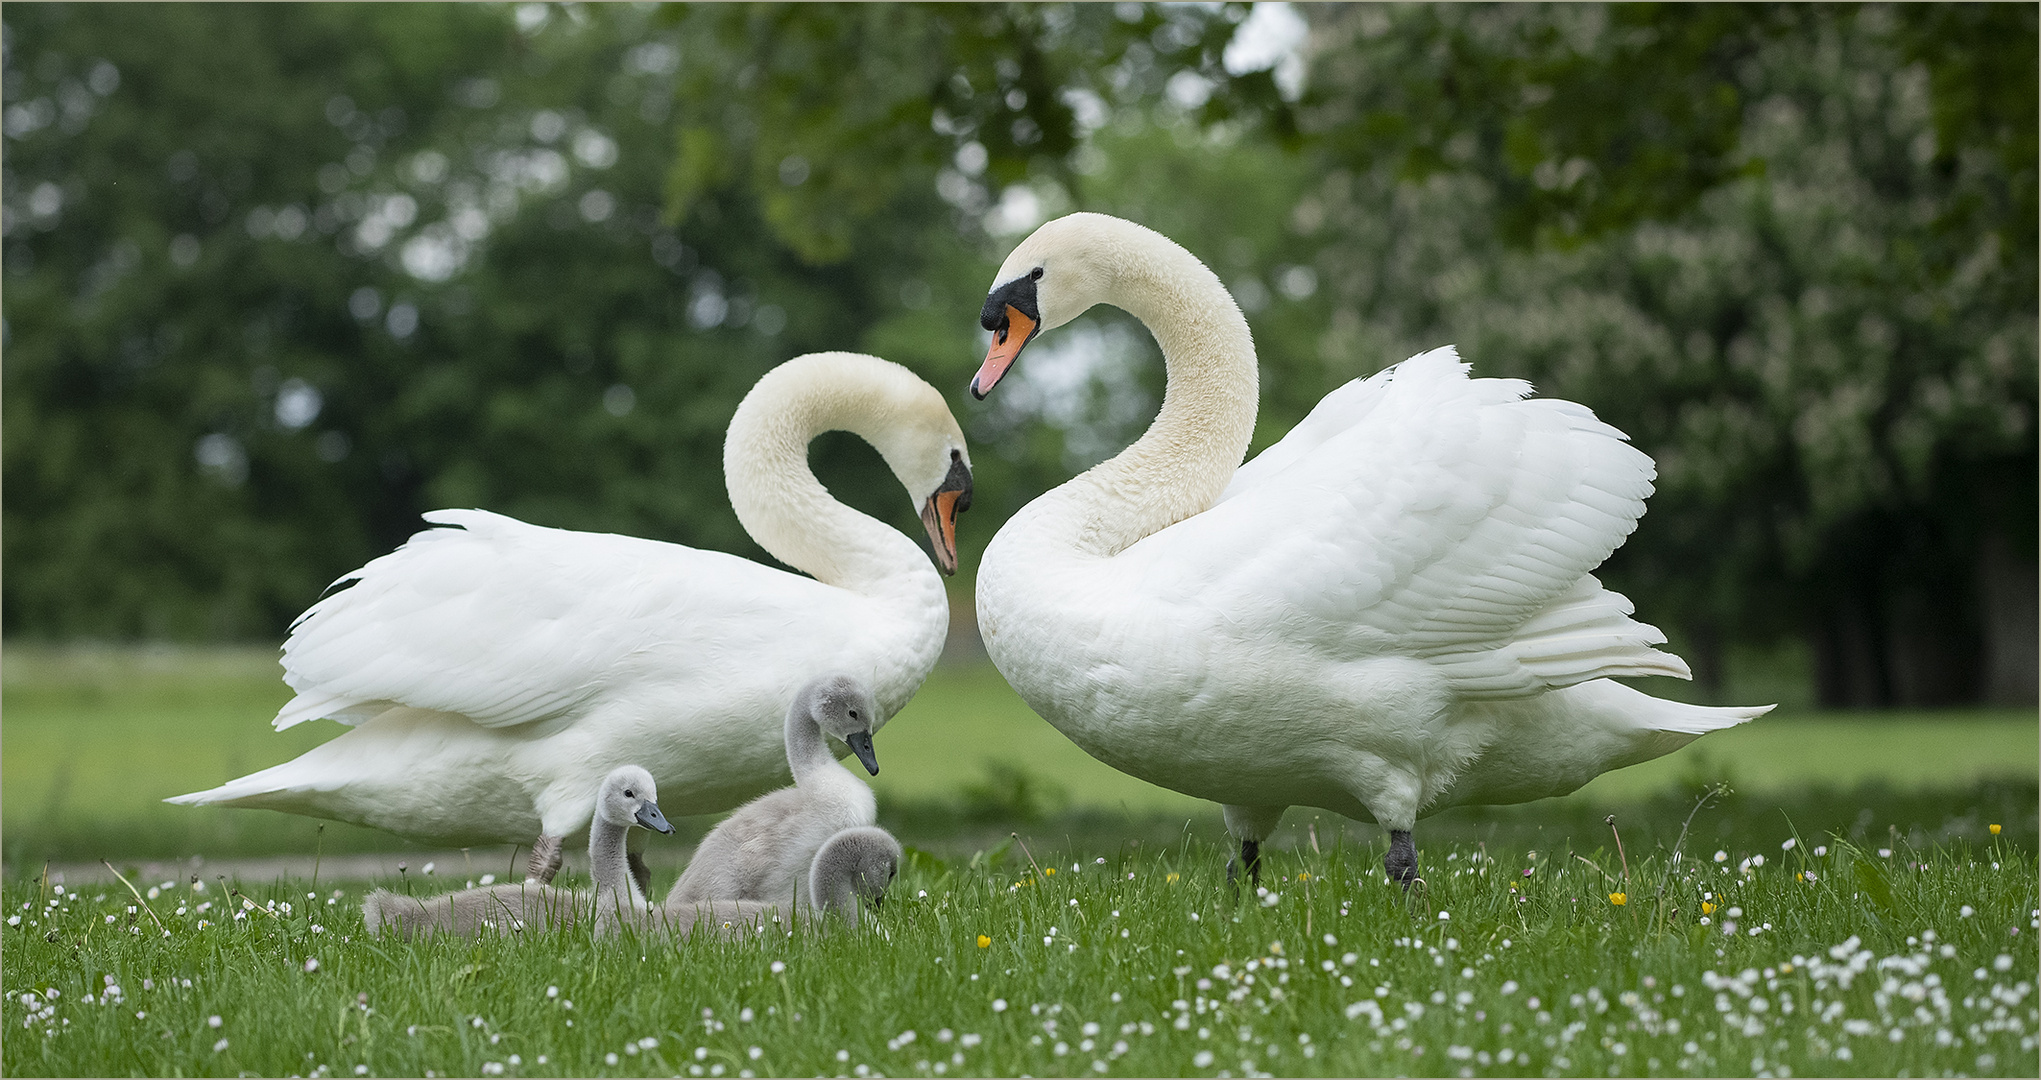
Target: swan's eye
(956, 455)
(1037, 275)
(629, 794)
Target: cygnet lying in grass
(765, 850)
(627, 798)
(853, 866)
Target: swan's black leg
(1250, 857)
(544, 861)
(1401, 862)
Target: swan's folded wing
(508, 623)
(1422, 513)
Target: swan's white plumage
(1427, 514)
(494, 671)
(1389, 611)
(508, 623)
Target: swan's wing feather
(508, 623)
(1423, 513)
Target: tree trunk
(2010, 588)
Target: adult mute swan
(1386, 613)
(494, 671)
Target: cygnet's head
(629, 797)
(1055, 275)
(854, 865)
(843, 706)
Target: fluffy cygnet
(627, 798)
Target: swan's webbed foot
(1401, 862)
(1250, 857)
(640, 873)
(545, 860)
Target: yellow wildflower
(1707, 908)
(1618, 899)
(1799, 877)
(1171, 876)
(984, 942)
(1304, 876)
(1994, 830)
(1051, 871)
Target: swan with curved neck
(1389, 612)
(493, 671)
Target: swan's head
(844, 707)
(904, 418)
(629, 797)
(924, 447)
(855, 865)
(1055, 275)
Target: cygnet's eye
(853, 714)
(629, 794)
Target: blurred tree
(1791, 251)
(279, 278)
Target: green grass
(1892, 816)
(94, 739)
(1513, 962)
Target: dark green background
(1790, 250)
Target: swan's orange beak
(1007, 343)
(939, 513)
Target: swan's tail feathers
(1678, 718)
(1621, 707)
(237, 792)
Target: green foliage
(1790, 250)
(1585, 118)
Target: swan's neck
(788, 511)
(1181, 464)
(807, 749)
(607, 862)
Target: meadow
(1813, 894)
(1819, 958)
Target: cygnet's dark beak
(861, 745)
(650, 817)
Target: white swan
(628, 797)
(494, 671)
(1387, 613)
(764, 851)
